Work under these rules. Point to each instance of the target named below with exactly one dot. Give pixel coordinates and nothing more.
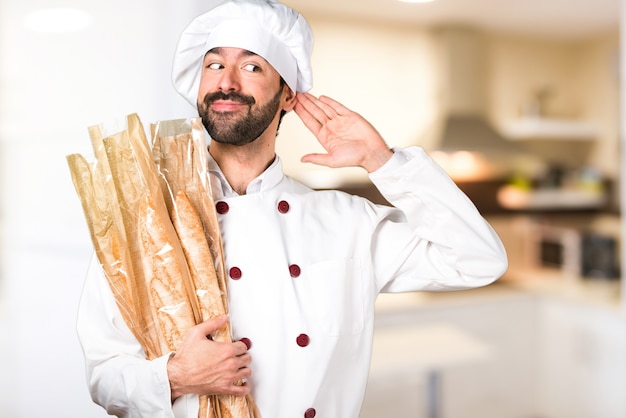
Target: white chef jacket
(305, 268)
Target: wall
(383, 72)
(52, 87)
(600, 97)
(622, 127)
(581, 75)
(391, 75)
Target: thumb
(211, 325)
(319, 159)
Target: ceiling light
(57, 20)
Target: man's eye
(252, 68)
(214, 66)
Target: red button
(294, 270)
(283, 206)
(310, 413)
(247, 342)
(303, 340)
(221, 207)
(235, 273)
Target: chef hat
(270, 29)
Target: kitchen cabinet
(541, 128)
(514, 198)
(500, 385)
(582, 361)
(550, 356)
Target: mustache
(232, 96)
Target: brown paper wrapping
(152, 221)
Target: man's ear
(289, 98)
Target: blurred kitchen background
(518, 100)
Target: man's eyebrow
(218, 51)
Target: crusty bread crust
(198, 255)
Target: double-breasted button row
(235, 273)
(302, 340)
(222, 207)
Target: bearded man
(305, 267)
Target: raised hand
(347, 137)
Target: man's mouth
(227, 102)
(226, 106)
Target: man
(304, 266)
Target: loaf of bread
(163, 273)
(108, 241)
(198, 255)
(95, 187)
(181, 157)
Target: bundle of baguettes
(181, 156)
(152, 221)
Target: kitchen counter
(555, 284)
(519, 344)
(398, 302)
(545, 283)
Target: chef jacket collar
(265, 181)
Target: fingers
(240, 347)
(316, 112)
(316, 158)
(241, 389)
(303, 110)
(211, 325)
(321, 109)
(235, 377)
(203, 366)
(240, 360)
(337, 107)
(242, 374)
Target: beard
(236, 129)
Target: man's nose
(229, 80)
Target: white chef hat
(266, 27)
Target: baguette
(196, 248)
(181, 157)
(107, 239)
(163, 275)
(107, 233)
(198, 255)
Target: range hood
(464, 96)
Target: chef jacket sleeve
(119, 377)
(441, 241)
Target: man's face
(240, 95)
